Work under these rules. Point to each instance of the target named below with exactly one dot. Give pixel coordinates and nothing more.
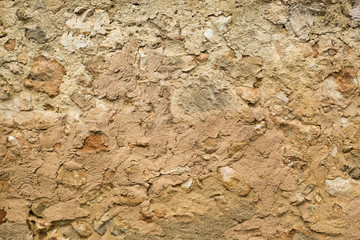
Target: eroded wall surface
(179, 119)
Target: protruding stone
(46, 76)
(206, 157)
(297, 199)
(302, 22)
(23, 57)
(277, 13)
(82, 228)
(355, 173)
(39, 206)
(94, 142)
(80, 10)
(208, 33)
(42, 226)
(74, 178)
(222, 23)
(347, 149)
(235, 147)
(233, 183)
(133, 195)
(187, 185)
(227, 174)
(118, 226)
(23, 14)
(248, 94)
(355, 12)
(37, 34)
(160, 213)
(260, 128)
(99, 225)
(5, 89)
(343, 187)
(10, 45)
(282, 97)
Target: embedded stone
(46, 76)
(82, 228)
(5, 89)
(248, 94)
(118, 226)
(39, 206)
(37, 34)
(355, 173)
(10, 45)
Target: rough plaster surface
(179, 119)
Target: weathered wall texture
(179, 119)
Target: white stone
(94, 24)
(334, 151)
(282, 97)
(260, 127)
(114, 38)
(340, 186)
(187, 184)
(330, 90)
(91, 22)
(206, 157)
(178, 170)
(208, 33)
(355, 12)
(222, 23)
(72, 43)
(227, 173)
(344, 121)
(143, 58)
(79, 10)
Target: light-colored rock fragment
(82, 228)
(208, 33)
(249, 94)
(282, 97)
(99, 225)
(118, 226)
(343, 187)
(39, 206)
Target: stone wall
(179, 119)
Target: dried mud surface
(179, 120)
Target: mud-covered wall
(179, 119)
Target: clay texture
(179, 119)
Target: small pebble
(80, 10)
(347, 149)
